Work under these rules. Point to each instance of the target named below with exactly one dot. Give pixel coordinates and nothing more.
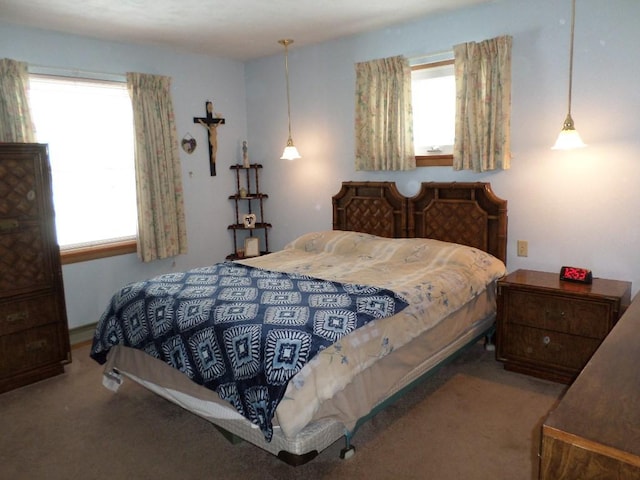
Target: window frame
(97, 250)
(440, 160)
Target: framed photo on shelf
(249, 220)
(251, 247)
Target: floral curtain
(384, 118)
(483, 105)
(161, 217)
(15, 116)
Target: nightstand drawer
(31, 349)
(561, 314)
(23, 314)
(549, 348)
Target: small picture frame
(251, 247)
(249, 220)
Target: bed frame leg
(349, 450)
(490, 341)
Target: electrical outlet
(523, 248)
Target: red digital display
(575, 274)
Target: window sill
(434, 160)
(84, 254)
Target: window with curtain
(157, 178)
(475, 114)
(88, 126)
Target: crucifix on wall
(211, 123)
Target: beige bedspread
(436, 278)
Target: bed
(381, 240)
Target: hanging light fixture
(290, 151)
(569, 137)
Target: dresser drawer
(549, 347)
(24, 314)
(25, 260)
(31, 349)
(19, 189)
(573, 316)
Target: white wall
(574, 208)
(195, 79)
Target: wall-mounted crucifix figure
(211, 123)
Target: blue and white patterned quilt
(238, 330)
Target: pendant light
(290, 151)
(569, 138)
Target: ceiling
(237, 29)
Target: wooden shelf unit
(252, 202)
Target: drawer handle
(7, 224)
(548, 314)
(36, 345)
(546, 340)
(17, 317)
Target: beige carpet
(472, 420)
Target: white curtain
(483, 105)
(384, 118)
(162, 229)
(15, 116)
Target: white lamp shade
(568, 139)
(290, 153)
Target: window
(88, 125)
(433, 89)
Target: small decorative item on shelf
(251, 247)
(243, 192)
(249, 220)
(245, 155)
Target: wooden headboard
(466, 213)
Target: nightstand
(550, 328)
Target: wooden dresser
(550, 328)
(594, 432)
(34, 336)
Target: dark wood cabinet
(34, 336)
(593, 432)
(550, 328)
(248, 201)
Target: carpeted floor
(471, 421)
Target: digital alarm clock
(576, 274)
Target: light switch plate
(523, 248)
